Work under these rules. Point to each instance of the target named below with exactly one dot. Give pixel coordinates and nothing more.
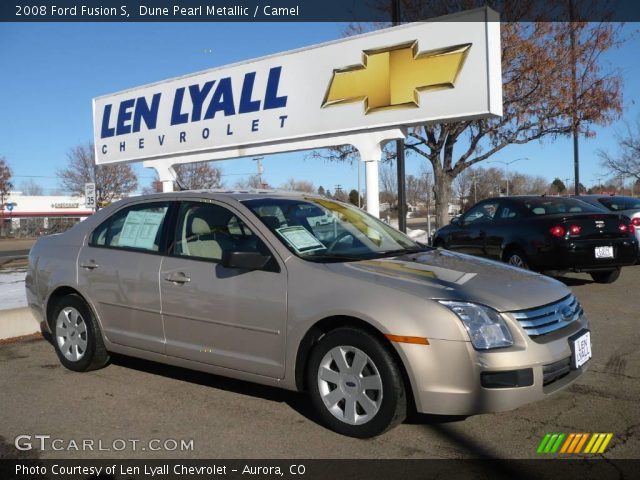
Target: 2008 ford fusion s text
(252, 285)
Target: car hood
(439, 274)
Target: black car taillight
(557, 231)
(575, 229)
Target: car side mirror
(456, 221)
(244, 260)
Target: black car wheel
(516, 258)
(608, 276)
(76, 335)
(355, 384)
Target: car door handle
(177, 278)
(90, 265)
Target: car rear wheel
(608, 276)
(76, 335)
(517, 258)
(355, 384)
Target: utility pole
(258, 161)
(402, 193)
(574, 95)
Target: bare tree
(252, 182)
(112, 181)
(540, 97)
(626, 162)
(523, 184)
(31, 187)
(5, 181)
(198, 175)
(299, 185)
(389, 181)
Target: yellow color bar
(591, 442)
(596, 445)
(606, 441)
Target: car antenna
(176, 179)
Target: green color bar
(552, 440)
(555, 448)
(543, 443)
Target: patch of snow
(12, 293)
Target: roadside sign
(90, 195)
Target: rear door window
(138, 227)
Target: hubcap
(71, 334)
(517, 261)
(350, 385)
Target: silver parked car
(352, 311)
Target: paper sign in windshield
(140, 230)
(300, 239)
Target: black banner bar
(306, 10)
(34, 469)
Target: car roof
(228, 194)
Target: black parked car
(550, 234)
(627, 206)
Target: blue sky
(50, 73)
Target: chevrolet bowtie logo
(393, 77)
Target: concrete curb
(17, 322)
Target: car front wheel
(517, 258)
(76, 335)
(355, 384)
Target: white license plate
(582, 349)
(604, 252)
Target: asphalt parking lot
(137, 400)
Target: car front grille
(555, 371)
(542, 320)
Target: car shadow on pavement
(296, 400)
(573, 281)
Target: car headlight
(485, 326)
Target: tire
(342, 402)
(76, 337)
(517, 258)
(438, 243)
(608, 276)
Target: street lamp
(506, 164)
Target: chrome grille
(541, 320)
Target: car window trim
(161, 248)
(170, 252)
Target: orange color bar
(584, 439)
(567, 443)
(406, 339)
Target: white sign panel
(406, 75)
(90, 195)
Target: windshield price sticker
(300, 239)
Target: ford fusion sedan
(249, 285)
(547, 234)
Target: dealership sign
(407, 75)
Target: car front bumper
(446, 376)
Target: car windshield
(557, 205)
(325, 230)
(620, 203)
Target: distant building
(34, 215)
